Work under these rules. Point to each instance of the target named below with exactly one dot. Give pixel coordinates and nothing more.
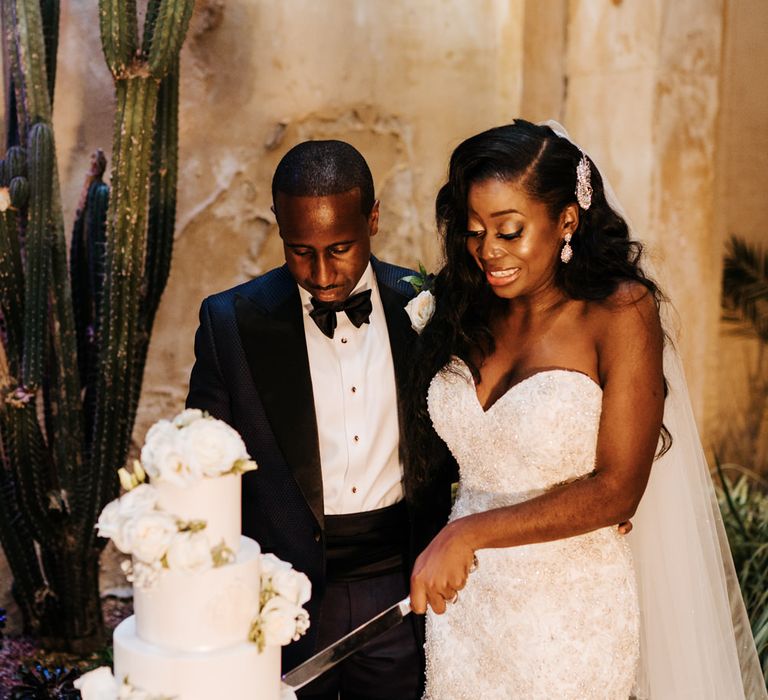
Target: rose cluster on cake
(182, 451)
(192, 446)
(282, 619)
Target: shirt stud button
(354, 389)
(354, 489)
(344, 340)
(357, 438)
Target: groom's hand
(441, 570)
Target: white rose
(293, 585)
(270, 565)
(163, 456)
(149, 535)
(187, 416)
(212, 447)
(131, 505)
(158, 433)
(190, 552)
(137, 501)
(420, 310)
(110, 521)
(116, 514)
(143, 574)
(281, 620)
(302, 623)
(98, 684)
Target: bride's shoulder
(630, 312)
(629, 297)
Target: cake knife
(326, 659)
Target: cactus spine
(39, 225)
(75, 333)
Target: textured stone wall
(642, 97)
(635, 81)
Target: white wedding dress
(543, 621)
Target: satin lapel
(401, 339)
(276, 351)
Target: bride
(548, 371)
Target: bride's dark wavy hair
(535, 158)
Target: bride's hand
(441, 570)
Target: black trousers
(387, 668)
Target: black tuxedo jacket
(252, 371)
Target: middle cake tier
(203, 611)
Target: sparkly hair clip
(583, 183)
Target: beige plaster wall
(544, 61)
(642, 97)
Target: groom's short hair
(322, 168)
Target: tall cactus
(75, 332)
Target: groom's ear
(373, 219)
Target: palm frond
(745, 286)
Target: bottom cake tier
(238, 672)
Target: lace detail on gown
(552, 620)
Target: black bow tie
(358, 308)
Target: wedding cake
(210, 610)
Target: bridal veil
(696, 641)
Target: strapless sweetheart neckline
(510, 390)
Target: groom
(308, 362)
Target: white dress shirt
(353, 383)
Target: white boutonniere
(421, 308)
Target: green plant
(745, 287)
(744, 505)
(744, 437)
(75, 332)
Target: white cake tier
(201, 612)
(238, 672)
(215, 500)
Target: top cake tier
(215, 500)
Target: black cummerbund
(362, 545)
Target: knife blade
(326, 659)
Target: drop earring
(567, 252)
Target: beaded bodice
(541, 432)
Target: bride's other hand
(441, 570)
(625, 528)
